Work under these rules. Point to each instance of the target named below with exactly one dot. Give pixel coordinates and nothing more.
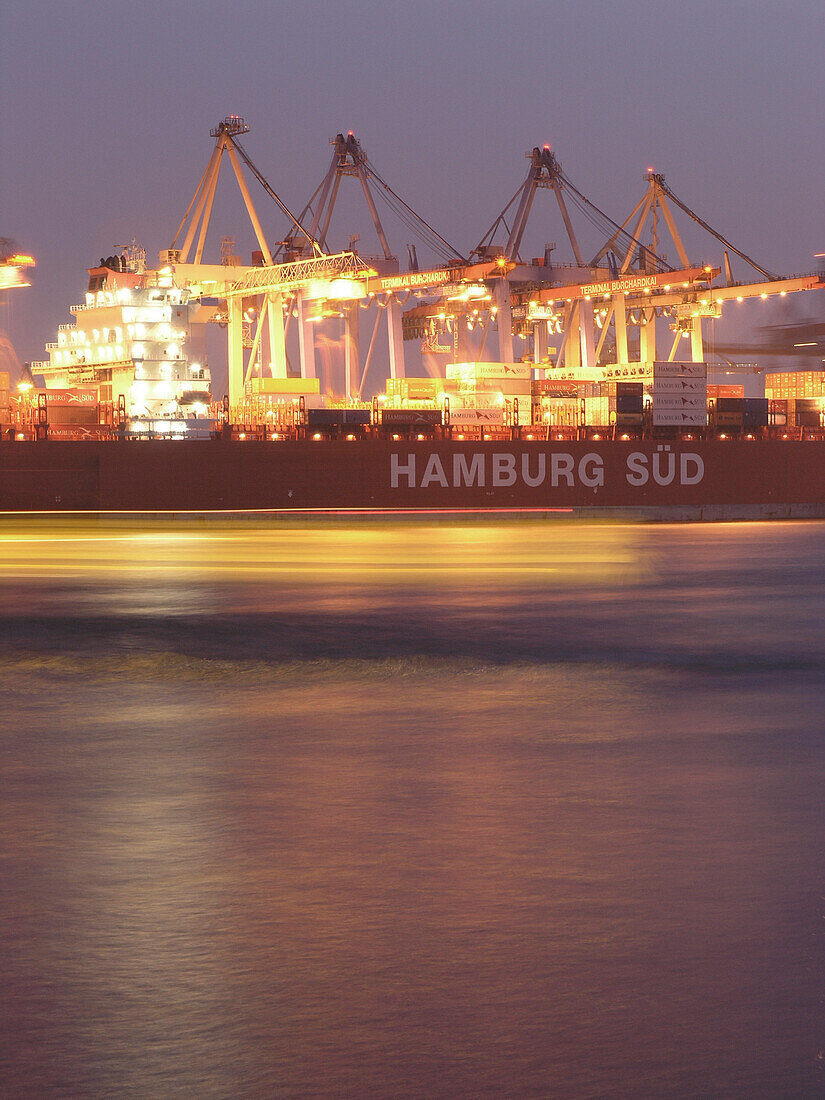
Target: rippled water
(471, 810)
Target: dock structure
(302, 309)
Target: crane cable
(713, 233)
(414, 227)
(315, 245)
(486, 240)
(622, 232)
(372, 171)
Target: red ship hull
(692, 480)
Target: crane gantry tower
(349, 159)
(626, 284)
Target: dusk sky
(106, 112)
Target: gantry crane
(310, 277)
(350, 159)
(639, 290)
(627, 283)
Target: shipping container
(730, 405)
(551, 388)
(490, 370)
(282, 386)
(629, 403)
(754, 412)
(679, 370)
(680, 401)
(410, 418)
(324, 418)
(630, 419)
(476, 417)
(509, 387)
(414, 388)
(715, 391)
(686, 418)
(679, 385)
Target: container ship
(124, 422)
(575, 409)
(670, 447)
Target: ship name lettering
(660, 453)
(434, 472)
(561, 465)
(398, 471)
(662, 465)
(538, 479)
(591, 470)
(504, 469)
(471, 473)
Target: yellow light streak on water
(511, 554)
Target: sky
(107, 108)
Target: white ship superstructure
(129, 341)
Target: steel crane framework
(589, 308)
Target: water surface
(471, 810)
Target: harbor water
(412, 810)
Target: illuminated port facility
(333, 348)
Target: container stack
(806, 412)
(626, 402)
(802, 412)
(680, 395)
(597, 411)
(413, 392)
(555, 403)
(741, 413)
(491, 386)
(800, 384)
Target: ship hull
(690, 480)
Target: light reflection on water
(518, 809)
(433, 554)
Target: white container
(467, 418)
(680, 401)
(489, 370)
(688, 418)
(684, 370)
(679, 385)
